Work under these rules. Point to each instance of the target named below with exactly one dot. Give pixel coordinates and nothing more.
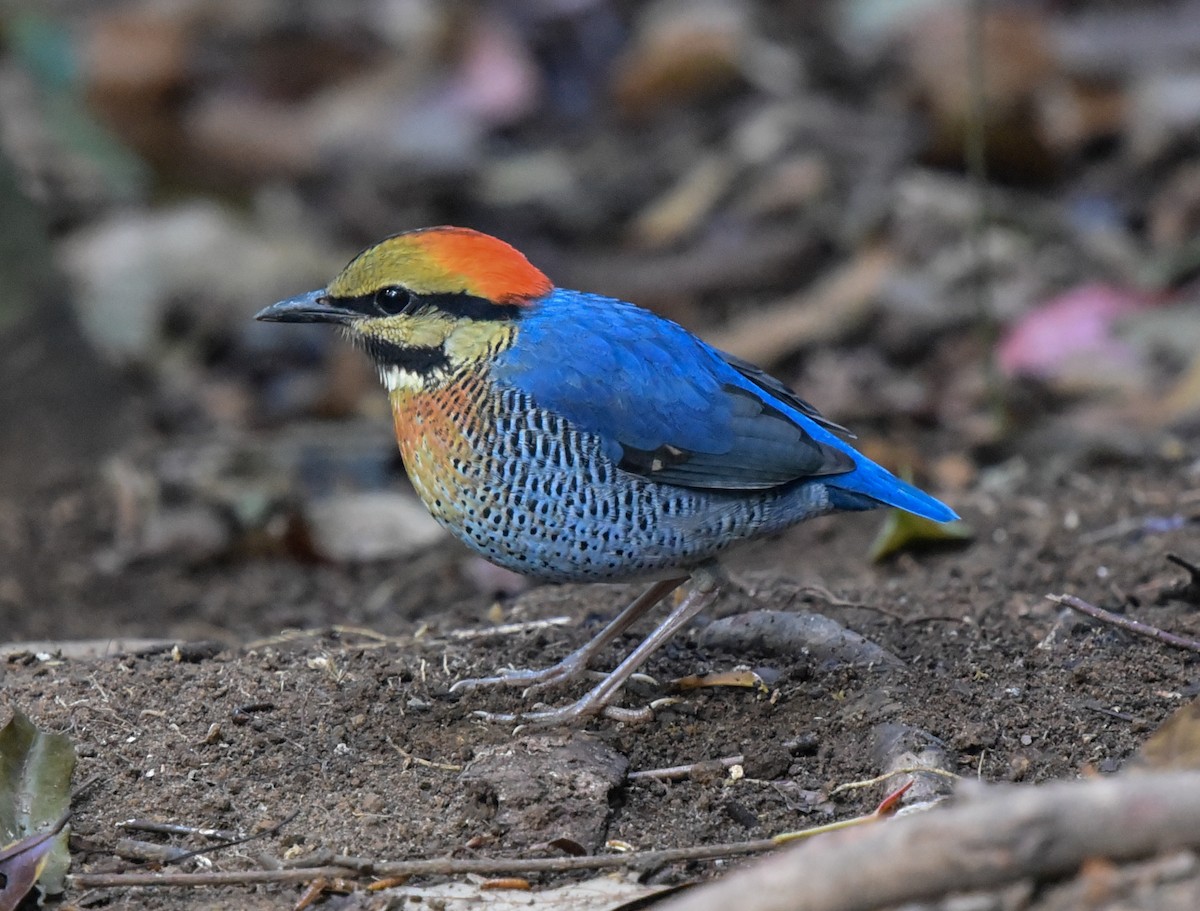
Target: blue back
(673, 409)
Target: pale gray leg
(706, 583)
(576, 663)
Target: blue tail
(870, 486)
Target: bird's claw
(569, 714)
(472, 683)
(532, 679)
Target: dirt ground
(355, 742)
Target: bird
(573, 437)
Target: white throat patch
(395, 379)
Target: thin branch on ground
(375, 640)
(505, 629)
(996, 836)
(327, 864)
(451, 866)
(934, 618)
(173, 828)
(1005, 833)
(323, 863)
(291, 636)
(678, 772)
(212, 878)
(1137, 525)
(411, 759)
(1125, 623)
(833, 600)
(234, 842)
(880, 779)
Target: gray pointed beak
(313, 307)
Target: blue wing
(670, 407)
(666, 404)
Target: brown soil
(357, 741)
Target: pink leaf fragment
(1077, 323)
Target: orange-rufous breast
(439, 431)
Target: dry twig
(678, 772)
(333, 865)
(833, 600)
(887, 776)
(411, 759)
(1125, 623)
(212, 878)
(172, 828)
(325, 864)
(377, 640)
(506, 629)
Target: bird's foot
(533, 679)
(575, 664)
(706, 584)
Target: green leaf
(35, 791)
(903, 531)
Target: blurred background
(970, 231)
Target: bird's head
(425, 304)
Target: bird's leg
(576, 663)
(706, 585)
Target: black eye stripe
(395, 299)
(471, 307)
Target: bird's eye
(392, 300)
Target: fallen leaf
(1175, 745)
(1071, 332)
(737, 677)
(35, 792)
(903, 531)
(21, 863)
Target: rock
(127, 269)
(825, 641)
(191, 534)
(901, 746)
(542, 788)
(376, 525)
(1164, 110)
